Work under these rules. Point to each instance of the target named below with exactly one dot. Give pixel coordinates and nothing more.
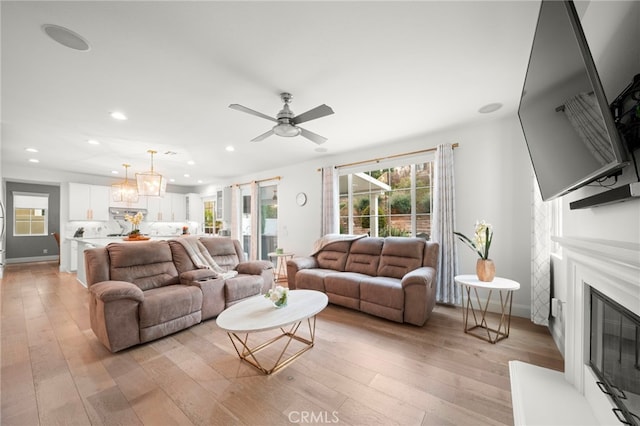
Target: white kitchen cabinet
(178, 208)
(170, 208)
(195, 208)
(154, 209)
(88, 202)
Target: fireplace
(614, 354)
(603, 289)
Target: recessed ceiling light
(490, 108)
(172, 180)
(115, 172)
(31, 150)
(117, 115)
(199, 180)
(230, 148)
(66, 37)
(187, 175)
(34, 160)
(191, 162)
(93, 142)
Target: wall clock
(301, 199)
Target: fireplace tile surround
(612, 268)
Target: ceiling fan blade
(317, 112)
(313, 137)
(262, 136)
(252, 112)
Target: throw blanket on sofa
(332, 238)
(201, 258)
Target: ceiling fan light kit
(286, 130)
(288, 122)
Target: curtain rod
(377, 160)
(256, 181)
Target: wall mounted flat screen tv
(565, 117)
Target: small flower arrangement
(278, 296)
(481, 239)
(135, 222)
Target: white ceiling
(390, 70)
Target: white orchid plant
(135, 221)
(278, 295)
(481, 241)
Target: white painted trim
(613, 268)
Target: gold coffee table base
(247, 353)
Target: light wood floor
(362, 371)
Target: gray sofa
(393, 277)
(141, 291)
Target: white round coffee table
(257, 314)
(505, 287)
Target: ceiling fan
(288, 122)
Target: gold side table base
(504, 325)
(247, 353)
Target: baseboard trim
(31, 259)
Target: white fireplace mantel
(611, 267)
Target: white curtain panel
(330, 201)
(235, 213)
(585, 117)
(255, 215)
(540, 257)
(443, 225)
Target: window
(209, 217)
(268, 220)
(388, 201)
(30, 213)
(556, 224)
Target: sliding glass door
(268, 220)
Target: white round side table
(505, 287)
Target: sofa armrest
(189, 277)
(419, 288)
(424, 276)
(254, 267)
(296, 264)
(109, 291)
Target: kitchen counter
(103, 241)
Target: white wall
(493, 182)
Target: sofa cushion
(242, 286)
(168, 303)
(181, 258)
(382, 291)
(145, 264)
(334, 255)
(400, 255)
(225, 251)
(312, 279)
(344, 284)
(364, 256)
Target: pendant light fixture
(125, 191)
(150, 183)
